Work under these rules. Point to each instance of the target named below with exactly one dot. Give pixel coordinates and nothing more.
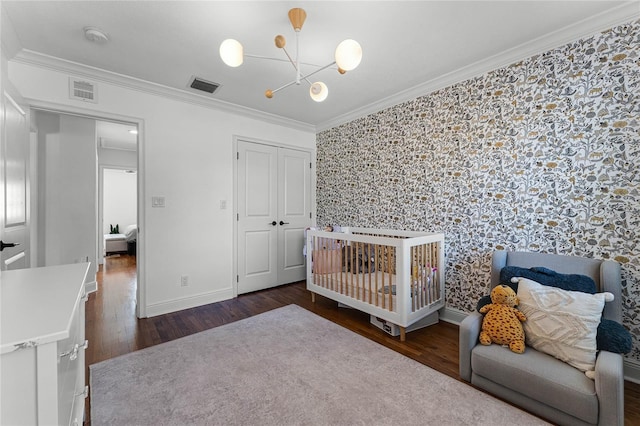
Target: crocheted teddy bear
(502, 323)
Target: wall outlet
(184, 281)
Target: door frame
(101, 169)
(236, 139)
(141, 288)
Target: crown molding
(625, 13)
(76, 69)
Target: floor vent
(83, 90)
(203, 85)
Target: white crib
(396, 276)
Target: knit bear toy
(502, 323)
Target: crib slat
(376, 251)
(390, 286)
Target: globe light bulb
(231, 52)
(348, 55)
(318, 91)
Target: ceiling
(116, 136)
(408, 47)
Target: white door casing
(273, 210)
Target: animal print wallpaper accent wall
(542, 155)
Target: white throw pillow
(561, 323)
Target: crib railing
(395, 271)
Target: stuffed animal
(502, 323)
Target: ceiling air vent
(83, 90)
(203, 85)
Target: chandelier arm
(294, 66)
(318, 70)
(284, 87)
(247, 55)
(290, 59)
(265, 57)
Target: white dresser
(42, 345)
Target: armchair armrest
(468, 338)
(609, 380)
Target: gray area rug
(284, 367)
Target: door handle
(4, 245)
(274, 223)
(283, 223)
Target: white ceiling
(408, 47)
(116, 136)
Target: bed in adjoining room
(121, 243)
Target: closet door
(294, 208)
(257, 216)
(273, 210)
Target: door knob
(274, 223)
(4, 245)
(283, 223)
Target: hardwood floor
(112, 328)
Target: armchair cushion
(539, 376)
(562, 323)
(545, 276)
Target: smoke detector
(95, 35)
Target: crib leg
(313, 297)
(403, 334)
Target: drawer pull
(73, 353)
(85, 392)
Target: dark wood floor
(112, 328)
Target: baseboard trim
(632, 371)
(91, 287)
(161, 308)
(455, 316)
(451, 315)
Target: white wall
(119, 197)
(187, 158)
(67, 190)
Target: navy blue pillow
(613, 337)
(570, 282)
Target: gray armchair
(538, 382)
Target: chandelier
(347, 57)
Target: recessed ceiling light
(133, 131)
(95, 35)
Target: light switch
(157, 201)
(223, 204)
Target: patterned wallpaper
(542, 155)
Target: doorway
(44, 200)
(273, 194)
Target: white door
(14, 186)
(294, 212)
(273, 210)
